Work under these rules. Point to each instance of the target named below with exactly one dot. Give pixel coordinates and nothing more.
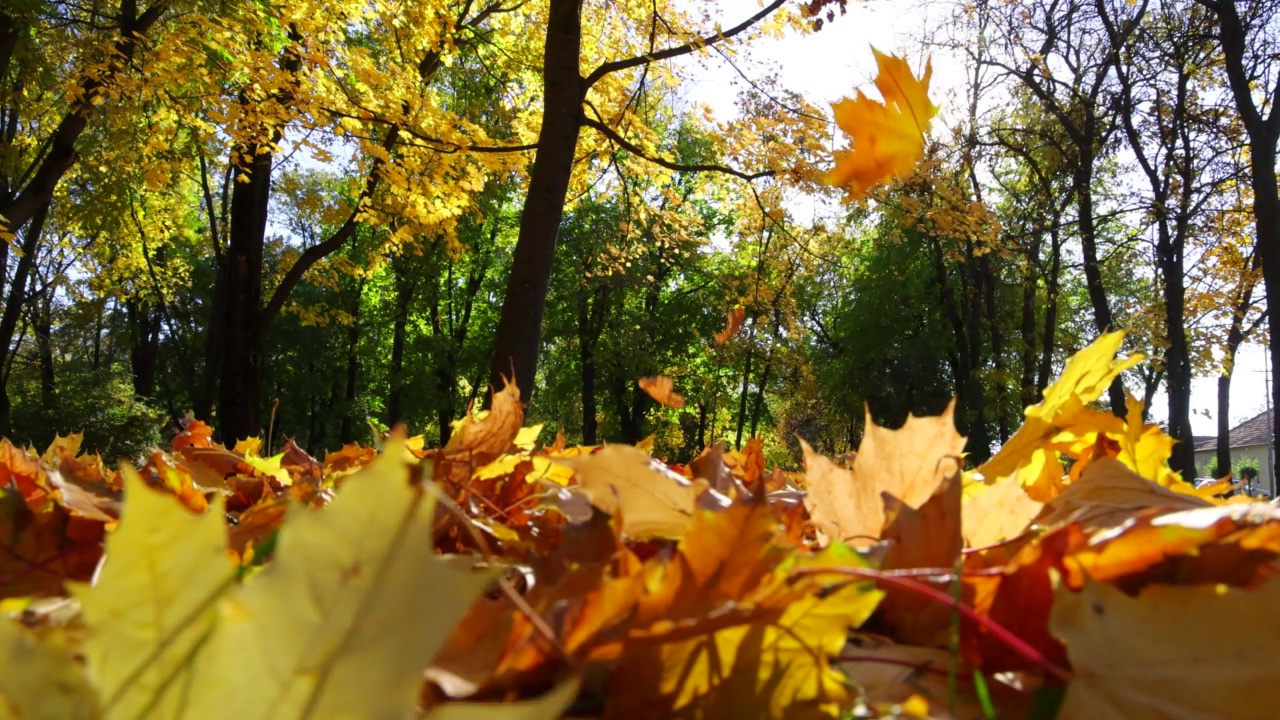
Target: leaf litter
(498, 577)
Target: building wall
(1266, 481)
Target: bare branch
(678, 167)
(616, 65)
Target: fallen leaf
(1108, 494)
(1000, 512)
(356, 598)
(909, 463)
(548, 707)
(154, 602)
(1186, 652)
(780, 668)
(39, 551)
(40, 679)
(491, 432)
(662, 390)
(653, 501)
(925, 538)
(1086, 376)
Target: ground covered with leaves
(1073, 576)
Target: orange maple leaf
(662, 390)
(888, 138)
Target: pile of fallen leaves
(1073, 575)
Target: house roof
(1254, 431)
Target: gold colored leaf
(1000, 512)
(909, 463)
(662, 390)
(356, 599)
(493, 432)
(154, 602)
(40, 679)
(1204, 651)
(653, 501)
(888, 137)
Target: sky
(837, 61)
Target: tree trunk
(43, 332)
(1102, 320)
(61, 153)
(519, 333)
(348, 429)
(144, 350)
(240, 386)
(404, 298)
(1053, 286)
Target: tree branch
(678, 167)
(678, 50)
(318, 252)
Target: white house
(1252, 439)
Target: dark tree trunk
(1263, 133)
(1053, 286)
(1028, 393)
(203, 398)
(240, 386)
(757, 405)
(519, 332)
(43, 331)
(17, 297)
(1086, 222)
(348, 429)
(746, 388)
(144, 350)
(588, 336)
(404, 298)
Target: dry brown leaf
(1171, 652)
(652, 500)
(662, 390)
(925, 538)
(889, 674)
(908, 463)
(1108, 494)
(492, 433)
(732, 324)
(1001, 512)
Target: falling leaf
(908, 463)
(733, 324)
(153, 603)
(888, 137)
(1188, 652)
(355, 599)
(652, 500)
(661, 389)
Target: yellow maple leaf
(339, 612)
(154, 601)
(1056, 424)
(1203, 651)
(888, 138)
